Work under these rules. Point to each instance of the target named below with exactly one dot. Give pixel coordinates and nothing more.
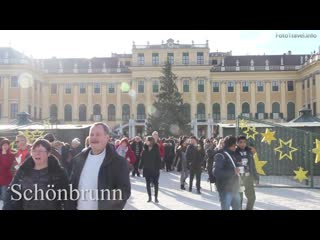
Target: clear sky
(101, 43)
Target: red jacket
(21, 154)
(161, 148)
(130, 155)
(6, 161)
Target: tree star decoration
(259, 164)
(253, 132)
(289, 145)
(268, 136)
(243, 124)
(316, 151)
(300, 175)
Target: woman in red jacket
(6, 162)
(125, 151)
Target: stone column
(268, 108)
(253, 105)
(283, 104)
(61, 105)
(223, 107)
(90, 107)
(75, 107)
(6, 82)
(238, 99)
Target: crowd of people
(104, 164)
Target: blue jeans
(3, 192)
(230, 199)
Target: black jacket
(150, 161)
(251, 163)
(113, 174)
(226, 179)
(140, 147)
(56, 176)
(195, 157)
(210, 153)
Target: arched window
(96, 109)
(141, 115)
(260, 107)
(245, 107)
(231, 109)
(111, 112)
(275, 110)
(216, 112)
(82, 112)
(201, 111)
(291, 111)
(125, 112)
(67, 113)
(260, 111)
(186, 110)
(54, 112)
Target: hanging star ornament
(259, 164)
(268, 136)
(243, 124)
(316, 151)
(280, 149)
(253, 132)
(300, 175)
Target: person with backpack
(226, 174)
(249, 176)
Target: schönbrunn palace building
(120, 90)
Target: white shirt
(89, 181)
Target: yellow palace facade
(120, 90)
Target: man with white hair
(99, 168)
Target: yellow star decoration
(316, 151)
(268, 136)
(32, 135)
(254, 132)
(243, 124)
(300, 175)
(46, 123)
(259, 164)
(283, 143)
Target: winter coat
(140, 148)
(55, 176)
(6, 162)
(179, 162)
(211, 153)
(195, 157)
(113, 174)
(161, 148)
(129, 155)
(251, 164)
(224, 172)
(150, 161)
(168, 152)
(21, 154)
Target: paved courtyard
(172, 198)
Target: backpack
(213, 167)
(210, 166)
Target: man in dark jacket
(226, 173)
(194, 159)
(99, 168)
(245, 159)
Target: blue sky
(87, 44)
